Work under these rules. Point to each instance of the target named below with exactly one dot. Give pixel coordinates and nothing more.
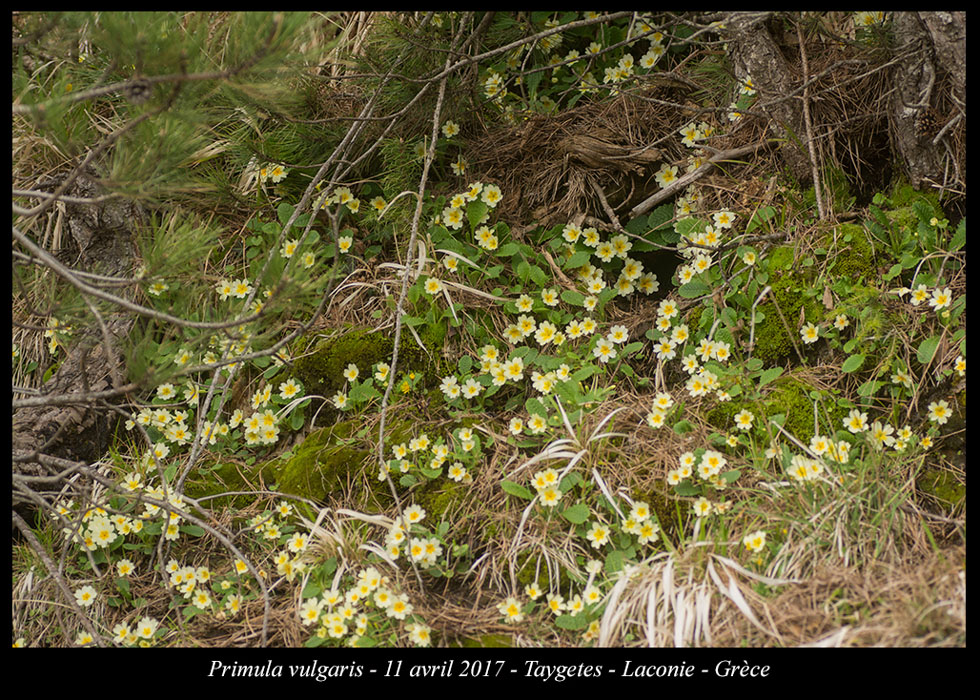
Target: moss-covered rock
(788, 396)
(773, 342)
(326, 463)
(944, 486)
(322, 371)
(218, 477)
(851, 254)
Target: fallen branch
(679, 184)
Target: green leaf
(570, 296)
(731, 476)
(927, 349)
(538, 276)
(577, 259)
(284, 211)
(683, 426)
(508, 249)
(869, 388)
(686, 488)
(576, 514)
(693, 289)
(769, 375)
(852, 363)
(572, 622)
(761, 216)
(515, 489)
(534, 406)
(959, 238)
(312, 590)
(523, 270)
(614, 561)
(475, 212)
(430, 473)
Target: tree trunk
(105, 239)
(930, 91)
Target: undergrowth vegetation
(418, 404)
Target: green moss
(902, 194)
(851, 254)
(219, 477)
(773, 343)
(438, 496)
(672, 519)
(791, 397)
(528, 571)
(788, 396)
(321, 371)
(326, 462)
(942, 485)
(780, 258)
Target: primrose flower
(939, 412)
(655, 418)
(550, 496)
(598, 534)
(472, 388)
(85, 596)
(856, 421)
(919, 295)
(604, 350)
(755, 541)
(524, 303)
(289, 389)
(340, 400)
(450, 129)
(724, 219)
(351, 372)
(666, 175)
(810, 333)
(743, 419)
(433, 286)
(511, 610)
(941, 298)
(545, 333)
(605, 251)
(881, 434)
(701, 507)
(537, 424)
(450, 387)
(491, 196)
(571, 233)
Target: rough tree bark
(105, 239)
(930, 91)
(755, 54)
(928, 96)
